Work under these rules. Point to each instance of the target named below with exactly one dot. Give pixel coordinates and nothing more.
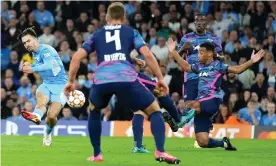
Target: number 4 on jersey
(115, 37)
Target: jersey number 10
(115, 37)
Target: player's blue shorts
(190, 89)
(134, 94)
(209, 109)
(54, 92)
(150, 83)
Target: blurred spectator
(229, 47)
(250, 113)
(5, 13)
(266, 64)
(130, 7)
(15, 114)
(10, 88)
(183, 29)
(271, 94)
(78, 41)
(258, 20)
(247, 35)
(144, 31)
(223, 114)
(42, 16)
(82, 22)
(102, 19)
(244, 17)
(160, 50)
(220, 25)
(270, 118)
(247, 77)
(23, 14)
(32, 22)
(188, 13)
(14, 64)
(269, 23)
(260, 86)
(90, 30)
(231, 85)
(153, 38)
(4, 98)
(25, 89)
(12, 31)
(65, 54)
(47, 37)
(263, 106)
(271, 46)
(9, 74)
(67, 115)
(59, 37)
(69, 32)
(233, 98)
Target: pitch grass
(73, 151)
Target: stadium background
(242, 27)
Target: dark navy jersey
(113, 45)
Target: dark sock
(157, 126)
(137, 128)
(95, 130)
(212, 143)
(167, 103)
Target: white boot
(47, 139)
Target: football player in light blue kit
(49, 66)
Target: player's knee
(140, 113)
(51, 115)
(202, 142)
(152, 108)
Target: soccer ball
(76, 99)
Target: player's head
(29, 39)
(206, 52)
(116, 12)
(200, 23)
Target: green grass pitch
(73, 151)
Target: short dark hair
(27, 31)
(116, 11)
(209, 46)
(199, 14)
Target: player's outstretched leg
(95, 130)
(40, 108)
(137, 128)
(51, 121)
(172, 116)
(158, 131)
(193, 107)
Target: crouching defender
(205, 107)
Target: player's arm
(237, 69)
(183, 45)
(75, 64)
(181, 62)
(151, 61)
(82, 53)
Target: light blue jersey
(50, 67)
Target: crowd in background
(242, 27)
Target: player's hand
(186, 46)
(256, 57)
(27, 69)
(68, 88)
(140, 62)
(171, 45)
(163, 87)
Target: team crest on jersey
(210, 40)
(196, 47)
(46, 55)
(203, 74)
